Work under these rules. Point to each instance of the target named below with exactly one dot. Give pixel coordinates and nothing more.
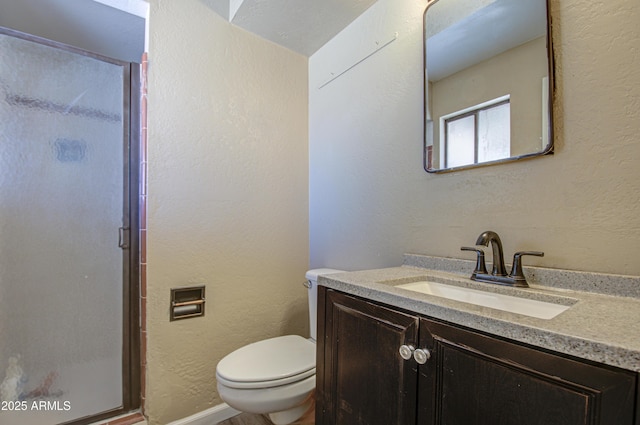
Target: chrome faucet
(498, 271)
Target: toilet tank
(312, 286)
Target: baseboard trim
(211, 416)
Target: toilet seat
(268, 363)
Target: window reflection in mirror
(478, 135)
(487, 84)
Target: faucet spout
(492, 237)
(498, 273)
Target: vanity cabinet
(469, 378)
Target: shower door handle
(123, 237)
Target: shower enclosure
(68, 223)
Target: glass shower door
(63, 174)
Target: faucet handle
(481, 268)
(516, 269)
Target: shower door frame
(130, 231)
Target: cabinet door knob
(406, 351)
(421, 355)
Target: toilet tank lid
(313, 274)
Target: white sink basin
(528, 307)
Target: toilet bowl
(275, 376)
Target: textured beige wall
(228, 197)
(370, 200)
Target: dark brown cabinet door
(469, 378)
(475, 379)
(361, 378)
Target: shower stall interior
(69, 327)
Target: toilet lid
(277, 360)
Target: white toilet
(275, 376)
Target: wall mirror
(488, 82)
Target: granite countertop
(602, 324)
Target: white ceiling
(300, 25)
(114, 28)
